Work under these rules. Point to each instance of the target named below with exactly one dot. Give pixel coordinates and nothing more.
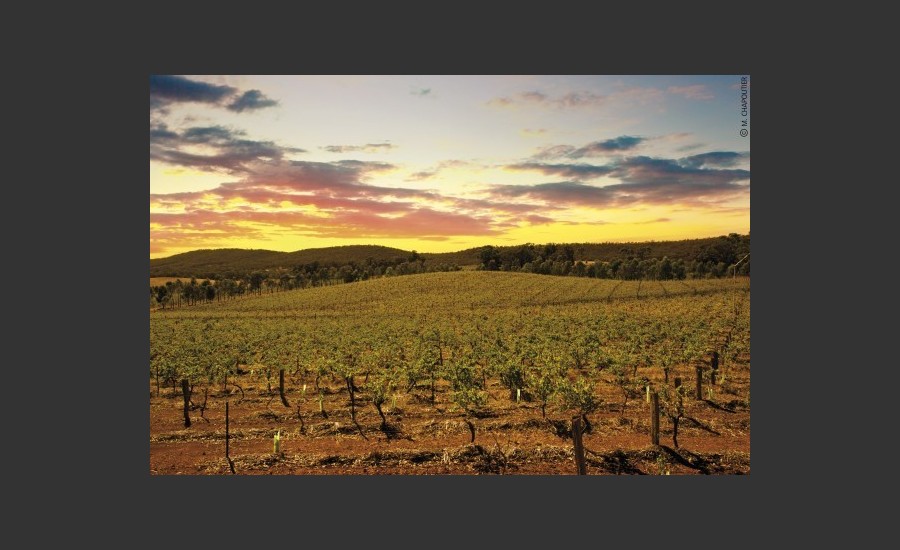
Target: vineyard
(463, 372)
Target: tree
(162, 295)
(524, 254)
(723, 250)
(346, 274)
(489, 258)
(629, 270)
(189, 292)
(615, 269)
(666, 271)
(256, 281)
(600, 270)
(561, 267)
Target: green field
(487, 319)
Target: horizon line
(455, 251)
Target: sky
(444, 163)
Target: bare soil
(425, 439)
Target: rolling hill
(211, 263)
(205, 263)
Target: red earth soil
(421, 439)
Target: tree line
(724, 257)
(232, 284)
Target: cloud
(177, 89)
(690, 147)
(168, 89)
(210, 134)
(565, 192)
(423, 175)
(160, 133)
(319, 199)
(643, 180)
(250, 101)
(212, 148)
(723, 159)
(579, 99)
(553, 152)
(614, 145)
(595, 149)
(657, 220)
(344, 178)
(420, 222)
(528, 132)
(198, 229)
(421, 92)
(200, 219)
(367, 148)
(536, 219)
(494, 207)
(272, 194)
(666, 181)
(569, 100)
(574, 171)
(433, 171)
(696, 91)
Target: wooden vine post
(579, 446)
(186, 392)
(714, 365)
(227, 434)
(654, 418)
(227, 441)
(284, 400)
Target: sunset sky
(443, 163)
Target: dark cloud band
(643, 180)
(168, 89)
